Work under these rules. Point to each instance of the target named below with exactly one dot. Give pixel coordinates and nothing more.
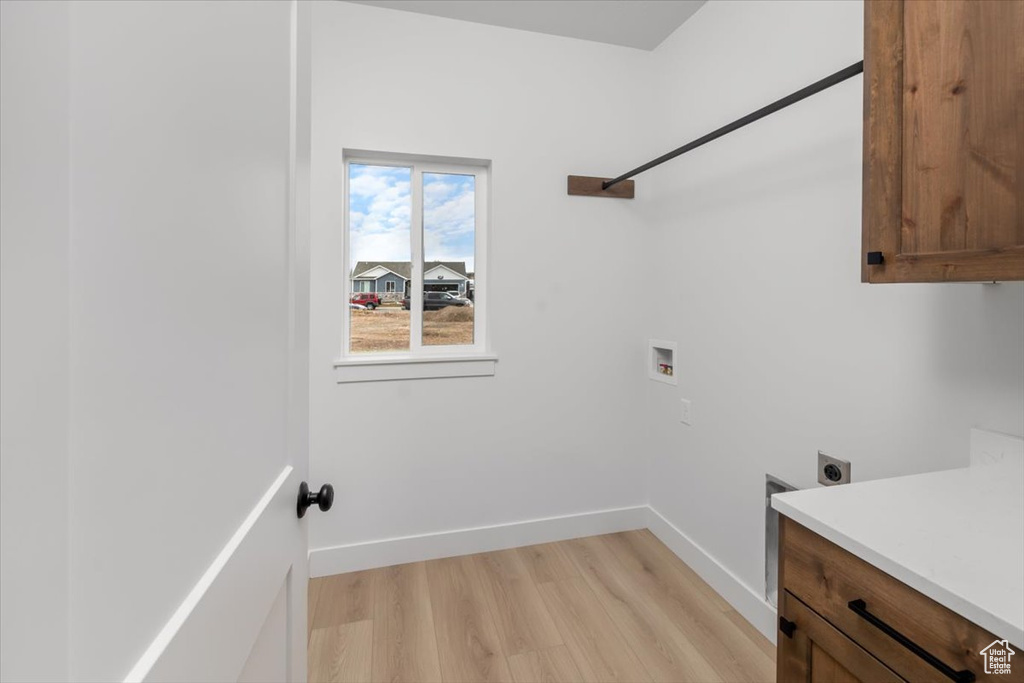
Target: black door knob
(323, 499)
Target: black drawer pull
(861, 609)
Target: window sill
(384, 369)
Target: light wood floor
(620, 607)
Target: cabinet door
(943, 141)
(817, 652)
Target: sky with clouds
(380, 215)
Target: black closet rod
(827, 82)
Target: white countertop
(957, 536)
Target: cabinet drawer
(828, 578)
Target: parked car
(356, 307)
(433, 301)
(370, 300)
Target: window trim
(422, 361)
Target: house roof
(458, 266)
(404, 268)
(400, 268)
(439, 271)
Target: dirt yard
(387, 329)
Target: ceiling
(633, 23)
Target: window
(415, 225)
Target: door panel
(268, 660)
(221, 630)
(189, 320)
(34, 335)
(825, 669)
(963, 110)
(943, 149)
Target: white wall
(555, 431)
(782, 351)
(34, 252)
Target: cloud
(366, 184)
(380, 215)
(392, 245)
(449, 218)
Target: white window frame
(390, 287)
(421, 362)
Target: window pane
(380, 213)
(449, 249)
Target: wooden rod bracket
(589, 186)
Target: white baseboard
(744, 599)
(357, 556)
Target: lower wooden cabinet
(842, 619)
(817, 652)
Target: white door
(189, 341)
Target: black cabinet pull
(861, 609)
(787, 626)
(875, 258)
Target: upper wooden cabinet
(943, 141)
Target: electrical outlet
(832, 471)
(684, 411)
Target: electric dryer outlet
(832, 471)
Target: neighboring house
(445, 276)
(392, 279)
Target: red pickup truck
(368, 299)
